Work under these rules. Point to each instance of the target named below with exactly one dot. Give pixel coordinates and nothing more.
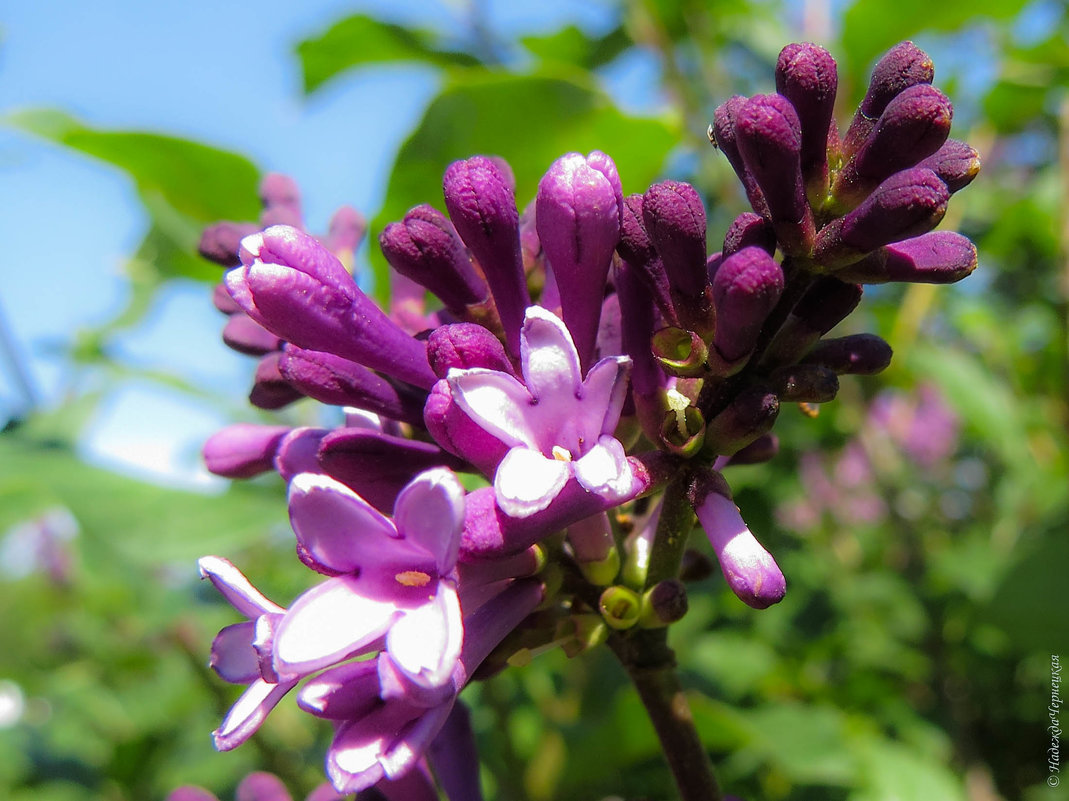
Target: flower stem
(651, 665)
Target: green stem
(650, 663)
(673, 530)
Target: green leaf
(198, 181)
(871, 27)
(360, 40)
(891, 771)
(1023, 604)
(571, 45)
(530, 120)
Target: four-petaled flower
(558, 424)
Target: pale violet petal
(233, 656)
(430, 513)
(604, 391)
(496, 401)
(237, 589)
(605, 471)
(548, 357)
(329, 623)
(248, 712)
(426, 642)
(527, 482)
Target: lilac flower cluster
(585, 353)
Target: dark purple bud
(914, 125)
(637, 250)
(770, 140)
(298, 290)
(578, 212)
(270, 390)
(454, 756)
(750, 415)
(857, 354)
(331, 379)
(955, 163)
(723, 135)
(647, 379)
(298, 452)
(823, 306)
(482, 206)
(805, 383)
(245, 335)
(346, 230)
(425, 248)
(663, 604)
(262, 786)
(281, 199)
(759, 451)
(749, 230)
(222, 301)
(696, 566)
(674, 217)
(377, 466)
(907, 204)
(243, 450)
(746, 287)
(939, 257)
(220, 242)
(530, 246)
(749, 569)
(902, 66)
(465, 345)
(806, 75)
(459, 434)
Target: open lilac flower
(558, 425)
(392, 579)
(240, 653)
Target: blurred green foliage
(910, 659)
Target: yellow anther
(413, 578)
(561, 454)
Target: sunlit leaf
(572, 45)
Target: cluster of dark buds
(596, 368)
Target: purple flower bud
(769, 137)
(578, 217)
(663, 604)
(939, 257)
(298, 290)
(857, 354)
(805, 383)
(750, 570)
(270, 390)
(637, 250)
(955, 163)
(262, 786)
(378, 466)
(281, 198)
(243, 450)
(902, 66)
(346, 230)
(723, 135)
(245, 335)
(914, 125)
(482, 206)
(759, 451)
(425, 248)
(340, 382)
(298, 452)
(806, 75)
(464, 345)
(454, 757)
(451, 428)
(907, 204)
(696, 566)
(219, 243)
(675, 221)
(222, 301)
(750, 415)
(746, 288)
(408, 304)
(746, 230)
(823, 306)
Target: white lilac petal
(425, 644)
(605, 390)
(430, 513)
(329, 623)
(338, 529)
(355, 759)
(527, 482)
(604, 470)
(548, 357)
(233, 656)
(415, 739)
(497, 402)
(237, 589)
(248, 712)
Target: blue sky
(218, 72)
